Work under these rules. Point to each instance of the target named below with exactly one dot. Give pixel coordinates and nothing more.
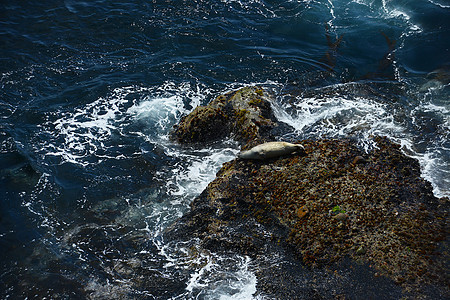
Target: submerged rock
(387, 238)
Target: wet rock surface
(332, 221)
(245, 115)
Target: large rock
(244, 115)
(338, 221)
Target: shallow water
(90, 91)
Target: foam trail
(438, 3)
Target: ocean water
(90, 90)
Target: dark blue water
(90, 90)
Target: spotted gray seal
(270, 150)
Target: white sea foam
(86, 135)
(435, 160)
(185, 180)
(337, 116)
(238, 283)
(88, 128)
(435, 169)
(362, 118)
(440, 3)
(392, 11)
(212, 276)
(202, 167)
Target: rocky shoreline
(340, 222)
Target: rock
(360, 250)
(244, 115)
(280, 210)
(341, 217)
(302, 212)
(359, 160)
(250, 200)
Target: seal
(271, 150)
